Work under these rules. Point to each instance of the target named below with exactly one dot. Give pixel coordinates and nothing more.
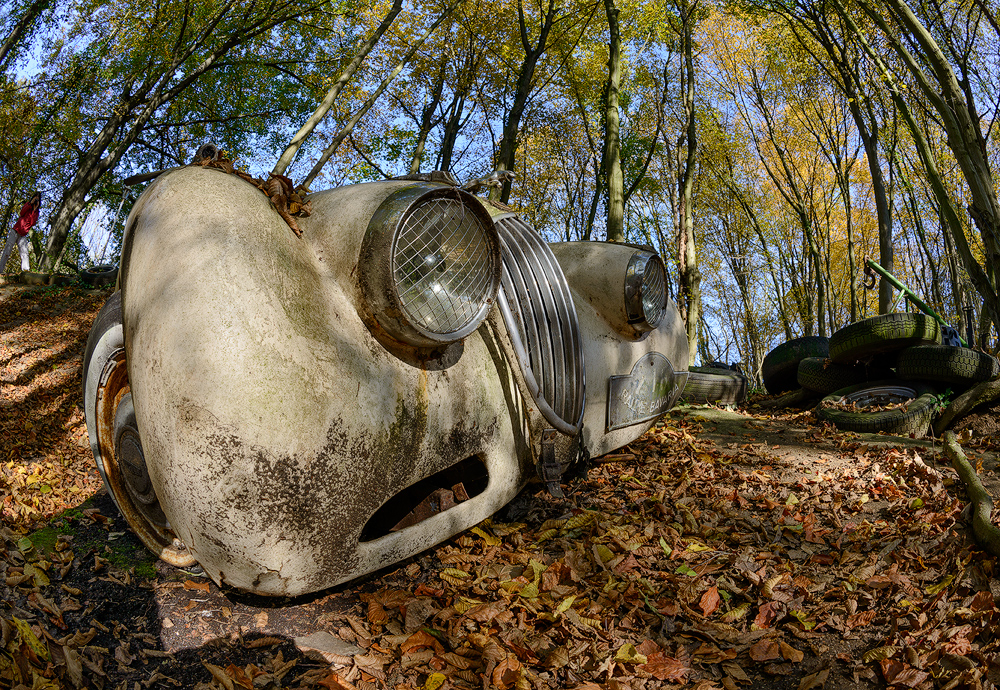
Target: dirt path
(804, 448)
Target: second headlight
(645, 291)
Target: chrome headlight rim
(383, 253)
(645, 291)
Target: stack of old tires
(881, 362)
(717, 384)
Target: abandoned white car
(291, 412)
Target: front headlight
(430, 265)
(645, 291)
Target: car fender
(273, 420)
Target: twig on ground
(983, 529)
(618, 457)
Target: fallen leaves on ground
(45, 460)
(683, 567)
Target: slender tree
(288, 155)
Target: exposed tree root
(986, 533)
(985, 392)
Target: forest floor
(728, 549)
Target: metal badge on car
(644, 394)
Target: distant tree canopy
(765, 147)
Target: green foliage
(121, 88)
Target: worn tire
(959, 366)
(114, 436)
(824, 377)
(61, 279)
(32, 278)
(914, 419)
(781, 365)
(709, 385)
(99, 276)
(885, 333)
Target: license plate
(644, 394)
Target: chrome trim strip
(537, 307)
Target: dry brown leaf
(377, 614)
(459, 661)
(239, 676)
(484, 613)
(220, 675)
(710, 654)
(506, 672)
(710, 601)
(663, 667)
(815, 680)
(557, 658)
(765, 650)
(420, 640)
(790, 653)
(334, 681)
(494, 652)
(898, 673)
(860, 619)
(768, 614)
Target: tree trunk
(454, 118)
(427, 120)
(136, 108)
(852, 264)
(452, 126)
(779, 292)
(688, 272)
(21, 27)
(943, 91)
(612, 144)
(525, 80)
(812, 17)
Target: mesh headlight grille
(444, 267)
(654, 293)
(645, 291)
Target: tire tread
(885, 333)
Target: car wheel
(823, 376)
(781, 365)
(115, 440)
(956, 365)
(885, 333)
(710, 385)
(914, 418)
(99, 276)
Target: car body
(293, 412)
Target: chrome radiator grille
(537, 308)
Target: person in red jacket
(19, 233)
